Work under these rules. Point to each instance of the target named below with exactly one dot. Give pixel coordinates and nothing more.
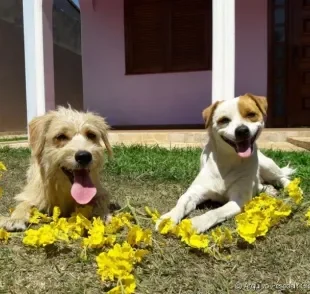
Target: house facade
(158, 63)
(67, 62)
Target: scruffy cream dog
(232, 169)
(67, 154)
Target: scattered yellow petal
(166, 226)
(56, 213)
(4, 235)
(155, 215)
(294, 191)
(2, 166)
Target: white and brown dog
(232, 170)
(67, 154)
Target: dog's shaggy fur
(232, 169)
(67, 146)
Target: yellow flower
(31, 237)
(46, 236)
(184, 230)
(2, 166)
(56, 213)
(136, 236)
(118, 222)
(127, 286)
(307, 215)
(221, 237)
(4, 235)
(118, 261)
(259, 215)
(197, 241)
(155, 215)
(166, 226)
(139, 254)
(95, 237)
(294, 191)
(37, 217)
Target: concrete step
(302, 142)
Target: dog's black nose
(83, 157)
(242, 132)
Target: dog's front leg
(101, 206)
(198, 192)
(19, 218)
(213, 217)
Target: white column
(223, 50)
(39, 60)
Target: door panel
(298, 110)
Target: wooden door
(298, 71)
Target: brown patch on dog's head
(253, 108)
(208, 112)
(38, 127)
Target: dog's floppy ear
(208, 112)
(37, 130)
(261, 103)
(103, 129)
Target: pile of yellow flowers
(218, 239)
(264, 212)
(258, 216)
(116, 264)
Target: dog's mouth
(83, 189)
(244, 148)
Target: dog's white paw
(199, 224)
(203, 223)
(108, 218)
(173, 215)
(12, 225)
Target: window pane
(167, 36)
(189, 30)
(279, 34)
(279, 93)
(279, 2)
(279, 15)
(279, 70)
(279, 52)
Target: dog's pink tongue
(244, 149)
(83, 190)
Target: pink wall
(251, 46)
(159, 99)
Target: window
(167, 35)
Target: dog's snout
(242, 132)
(83, 157)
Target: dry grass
(156, 177)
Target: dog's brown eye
(223, 121)
(91, 136)
(251, 114)
(62, 137)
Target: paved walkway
(277, 139)
(285, 146)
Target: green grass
(157, 177)
(12, 139)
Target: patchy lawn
(157, 177)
